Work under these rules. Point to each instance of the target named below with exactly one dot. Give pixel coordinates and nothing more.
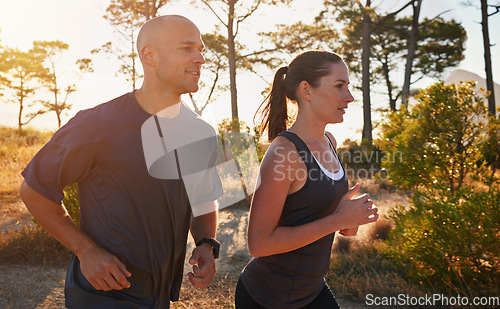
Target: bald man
(130, 248)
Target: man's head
(171, 51)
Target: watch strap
(212, 242)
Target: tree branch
(215, 13)
(497, 8)
(258, 53)
(391, 15)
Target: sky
(80, 24)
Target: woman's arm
(344, 232)
(278, 174)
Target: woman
(302, 197)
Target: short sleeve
(66, 159)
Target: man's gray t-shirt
(141, 219)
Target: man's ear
(304, 90)
(148, 55)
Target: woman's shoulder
(281, 145)
(332, 139)
(281, 151)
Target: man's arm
(103, 270)
(202, 258)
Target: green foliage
(438, 140)
(440, 45)
(490, 151)
(72, 203)
(450, 240)
(296, 38)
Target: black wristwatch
(212, 242)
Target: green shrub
(450, 240)
(438, 139)
(72, 203)
(490, 151)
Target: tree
(215, 50)
(412, 48)
(439, 45)
(486, 45)
(217, 65)
(20, 73)
(231, 14)
(126, 17)
(349, 12)
(51, 51)
(487, 54)
(295, 38)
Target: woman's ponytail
(274, 109)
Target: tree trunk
(20, 116)
(365, 63)
(232, 64)
(385, 70)
(487, 57)
(412, 47)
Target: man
(130, 250)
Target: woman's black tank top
(294, 279)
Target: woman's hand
(353, 212)
(349, 232)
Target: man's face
(180, 57)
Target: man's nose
(199, 58)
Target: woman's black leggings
(325, 299)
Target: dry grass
(32, 245)
(16, 150)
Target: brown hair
(308, 66)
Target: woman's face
(330, 99)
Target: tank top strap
(302, 148)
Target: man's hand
(203, 263)
(103, 270)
